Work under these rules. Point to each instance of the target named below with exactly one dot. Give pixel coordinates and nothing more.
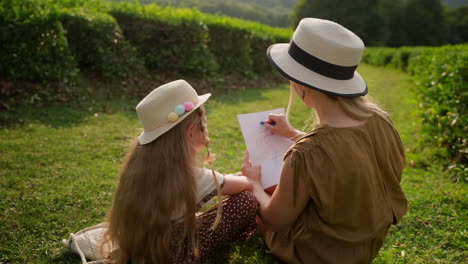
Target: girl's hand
(253, 173)
(280, 126)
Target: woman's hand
(253, 173)
(280, 126)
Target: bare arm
(234, 184)
(278, 211)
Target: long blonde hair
(156, 182)
(359, 107)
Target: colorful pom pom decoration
(188, 106)
(172, 116)
(179, 109)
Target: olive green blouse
(352, 176)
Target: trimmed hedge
(230, 46)
(98, 46)
(190, 42)
(48, 44)
(52, 40)
(34, 45)
(245, 42)
(169, 39)
(442, 85)
(261, 38)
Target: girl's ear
(189, 132)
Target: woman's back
(352, 177)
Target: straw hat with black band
(322, 55)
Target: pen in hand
(270, 123)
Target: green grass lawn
(59, 166)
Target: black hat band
(319, 66)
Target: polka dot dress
(236, 225)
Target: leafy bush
(230, 45)
(48, 41)
(378, 56)
(401, 57)
(245, 42)
(442, 81)
(262, 38)
(443, 88)
(98, 45)
(169, 39)
(34, 46)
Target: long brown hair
(157, 183)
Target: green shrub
(401, 57)
(442, 86)
(246, 43)
(443, 91)
(34, 46)
(260, 63)
(230, 45)
(378, 56)
(168, 39)
(98, 45)
(49, 42)
(262, 38)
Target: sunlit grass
(59, 166)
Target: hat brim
(294, 71)
(148, 136)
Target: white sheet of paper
(265, 149)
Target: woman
(153, 218)
(339, 189)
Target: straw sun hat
(165, 107)
(322, 55)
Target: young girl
(153, 218)
(339, 189)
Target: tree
(456, 3)
(457, 21)
(363, 17)
(424, 23)
(393, 12)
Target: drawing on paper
(265, 149)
